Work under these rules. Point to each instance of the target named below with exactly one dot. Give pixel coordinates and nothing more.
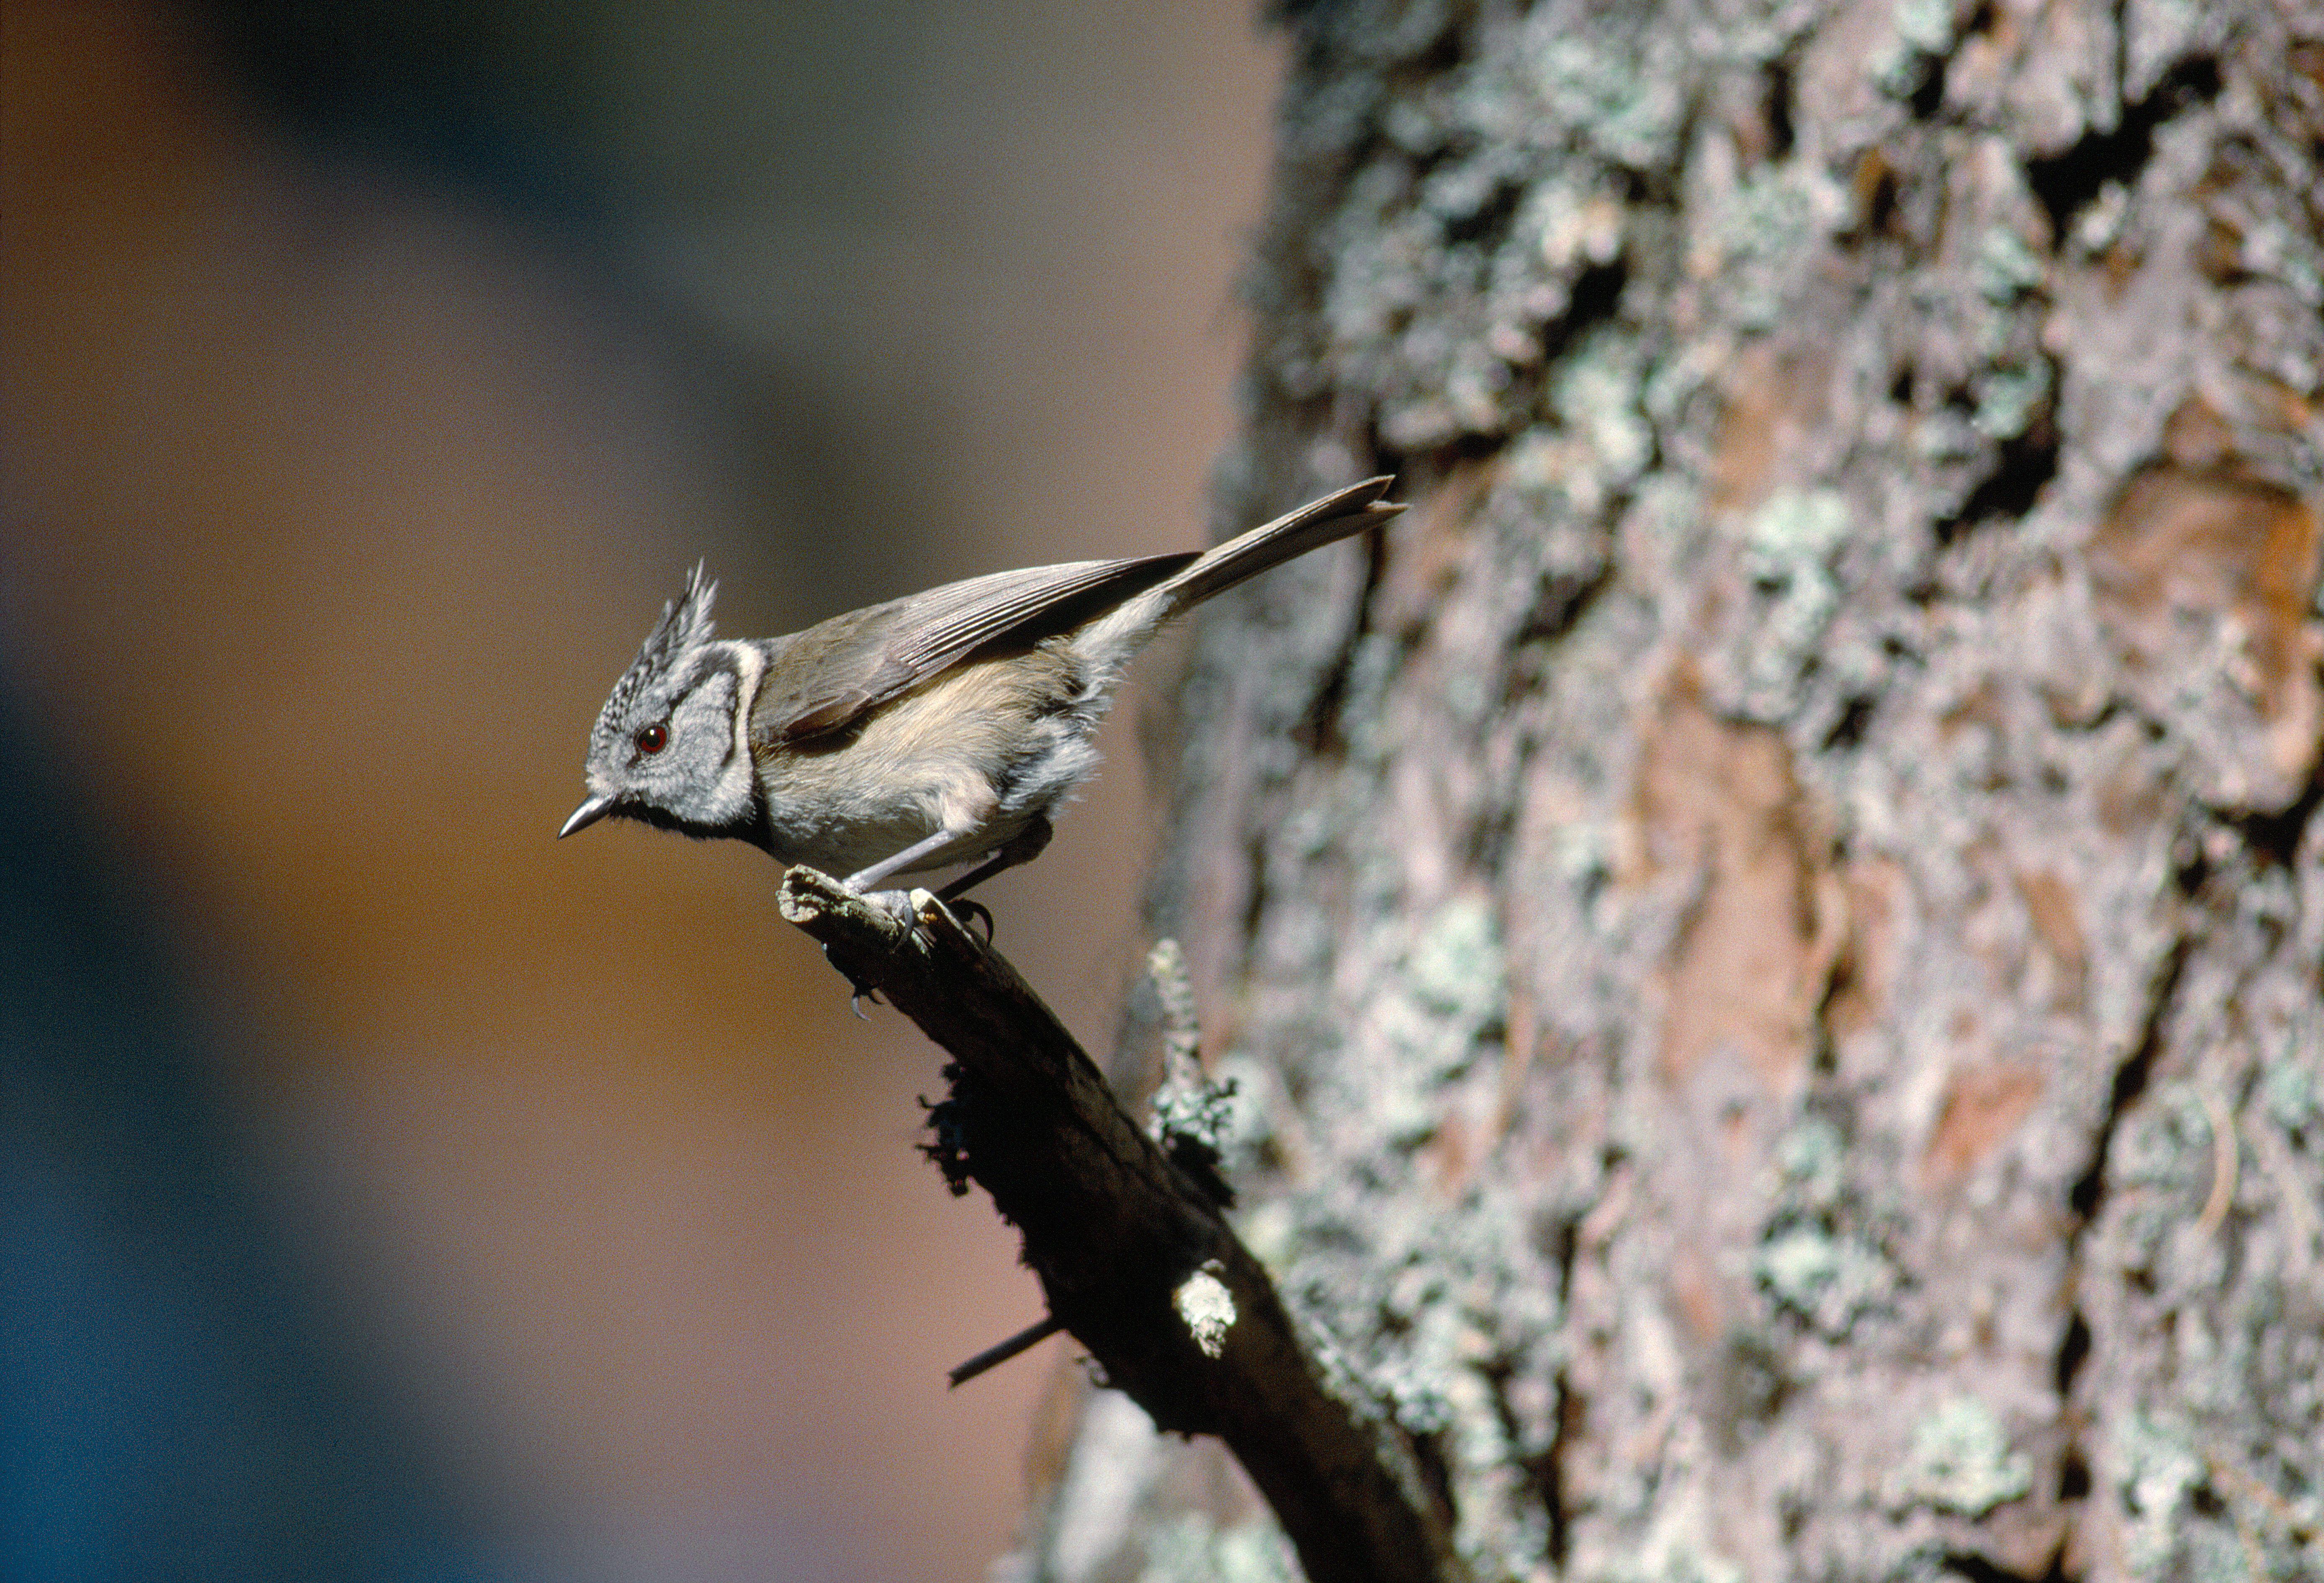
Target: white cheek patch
(751, 669)
(737, 786)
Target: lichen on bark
(1771, 932)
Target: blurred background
(392, 1190)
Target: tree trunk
(1769, 936)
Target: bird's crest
(685, 625)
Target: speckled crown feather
(685, 625)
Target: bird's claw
(967, 909)
(858, 990)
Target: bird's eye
(653, 739)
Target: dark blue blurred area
(487, 96)
(372, 371)
(173, 1406)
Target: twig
(1129, 1247)
(2226, 1154)
(993, 1356)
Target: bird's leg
(864, 879)
(1023, 847)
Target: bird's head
(669, 748)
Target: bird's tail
(1110, 641)
(1335, 516)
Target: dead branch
(1132, 1252)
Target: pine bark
(1769, 935)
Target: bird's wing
(829, 676)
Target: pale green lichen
(1307, 832)
(1573, 227)
(1961, 1462)
(2007, 267)
(1755, 235)
(1925, 25)
(2291, 1092)
(2169, 1143)
(1471, 694)
(1795, 531)
(1458, 967)
(1486, 1484)
(1945, 437)
(1459, 1316)
(1463, 237)
(1924, 32)
(1192, 1549)
(1271, 1232)
(1596, 395)
(1174, 990)
(2007, 399)
(1449, 999)
(2157, 1471)
(1678, 1547)
(1808, 1160)
(1831, 1282)
(1582, 852)
(2162, 1160)
(2281, 252)
(1787, 552)
(1206, 1308)
(2099, 226)
(1187, 1104)
(1629, 108)
(2161, 34)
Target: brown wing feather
(826, 678)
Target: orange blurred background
(372, 374)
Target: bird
(916, 734)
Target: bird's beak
(589, 814)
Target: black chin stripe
(750, 828)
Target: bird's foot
(896, 904)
